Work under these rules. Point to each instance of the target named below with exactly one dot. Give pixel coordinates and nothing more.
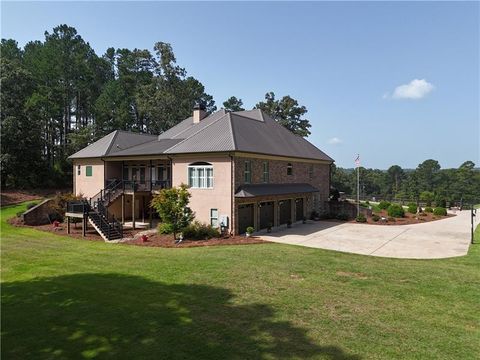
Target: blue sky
(396, 82)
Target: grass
(67, 298)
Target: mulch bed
(153, 241)
(168, 242)
(408, 219)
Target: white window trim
(214, 218)
(195, 180)
(249, 172)
(266, 172)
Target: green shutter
(88, 170)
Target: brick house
(243, 169)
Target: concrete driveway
(433, 240)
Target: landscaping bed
(161, 240)
(406, 220)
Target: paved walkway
(433, 240)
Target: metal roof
(253, 190)
(246, 131)
(112, 143)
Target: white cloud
(415, 89)
(335, 141)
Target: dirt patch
(360, 276)
(408, 219)
(12, 197)
(168, 242)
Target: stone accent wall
(348, 208)
(38, 215)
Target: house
(243, 169)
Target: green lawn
(66, 298)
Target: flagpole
(358, 190)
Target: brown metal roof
(245, 131)
(253, 190)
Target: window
(88, 170)
(247, 173)
(289, 169)
(79, 170)
(310, 171)
(200, 175)
(266, 172)
(214, 217)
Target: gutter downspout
(232, 192)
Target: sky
(397, 83)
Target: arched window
(289, 169)
(200, 175)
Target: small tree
(172, 206)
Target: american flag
(357, 160)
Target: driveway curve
(439, 239)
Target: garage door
(299, 209)
(285, 211)
(266, 215)
(245, 217)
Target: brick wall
(320, 177)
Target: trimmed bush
(440, 211)
(384, 205)
(428, 209)
(342, 216)
(442, 203)
(251, 229)
(412, 208)
(396, 211)
(199, 231)
(361, 218)
(375, 217)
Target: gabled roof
(112, 143)
(245, 131)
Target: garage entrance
(285, 211)
(266, 214)
(299, 209)
(245, 217)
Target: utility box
(223, 221)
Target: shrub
(199, 231)
(172, 206)
(396, 211)
(165, 228)
(383, 205)
(440, 211)
(342, 216)
(442, 203)
(367, 202)
(428, 209)
(412, 208)
(19, 214)
(361, 218)
(250, 230)
(375, 217)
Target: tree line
(427, 183)
(58, 96)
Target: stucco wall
(203, 200)
(84, 185)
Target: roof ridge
(231, 131)
(111, 142)
(135, 133)
(195, 133)
(246, 117)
